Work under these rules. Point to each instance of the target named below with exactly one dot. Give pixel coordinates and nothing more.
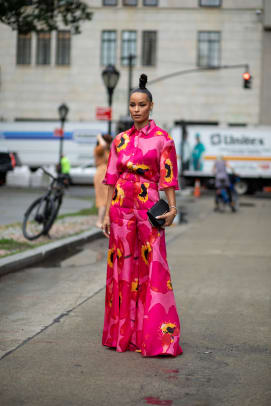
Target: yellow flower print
(143, 195)
(169, 137)
(119, 253)
(118, 195)
(110, 257)
(124, 140)
(169, 285)
(169, 170)
(134, 285)
(168, 328)
(139, 169)
(145, 250)
(159, 133)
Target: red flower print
(160, 278)
(164, 329)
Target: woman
(140, 309)
(101, 153)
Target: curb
(16, 262)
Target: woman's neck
(138, 126)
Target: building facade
(41, 71)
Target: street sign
(103, 113)
(58, 132)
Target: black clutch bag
(160, 207)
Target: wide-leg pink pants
(140, 308)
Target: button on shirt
(148, 153)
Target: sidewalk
(220, 270)
(65, 234)
(17, 252)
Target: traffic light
(247, 80)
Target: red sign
(103, 113)
(58, 132)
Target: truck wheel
(241, 187)
(3, 176)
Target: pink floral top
(149, 153)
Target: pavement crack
(56, 320)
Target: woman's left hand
(169, 217)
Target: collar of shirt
(145, 130)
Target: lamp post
(130, 63)
(110, 77)
(63, 111)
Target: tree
(48, 15)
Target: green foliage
(48, 15)
(11, 245)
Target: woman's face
(140, 107)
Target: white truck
(37, 145)
(247, 150)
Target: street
(52, 320)
(15, 201)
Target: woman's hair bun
(142, 81)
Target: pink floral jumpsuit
(140, 308)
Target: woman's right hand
(106, 226)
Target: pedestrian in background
(197, 154)
(101, 153)
(65, 167)
(222, 181)
(140, 308)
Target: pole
(196, 70)
(110, 96)
(130, 77)
(183, 133)
(61, 145)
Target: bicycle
(41, 214)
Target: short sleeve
(112, 174)
(168, 167)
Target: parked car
(82, 175)
(8, 161)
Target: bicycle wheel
(52, 216)
(36, 217)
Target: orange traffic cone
(197, 188)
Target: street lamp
(110, 77)
(63, 111)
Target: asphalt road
(15, 201)
(52, 317)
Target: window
(128, 46)
(44, 48)
(129, 2)
(149, 48)
(23, 49)
(63, 48)
(209, 49)
(110, 2)
(150, 2)
(109, 44)
(210, 3)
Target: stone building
(39, 72)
